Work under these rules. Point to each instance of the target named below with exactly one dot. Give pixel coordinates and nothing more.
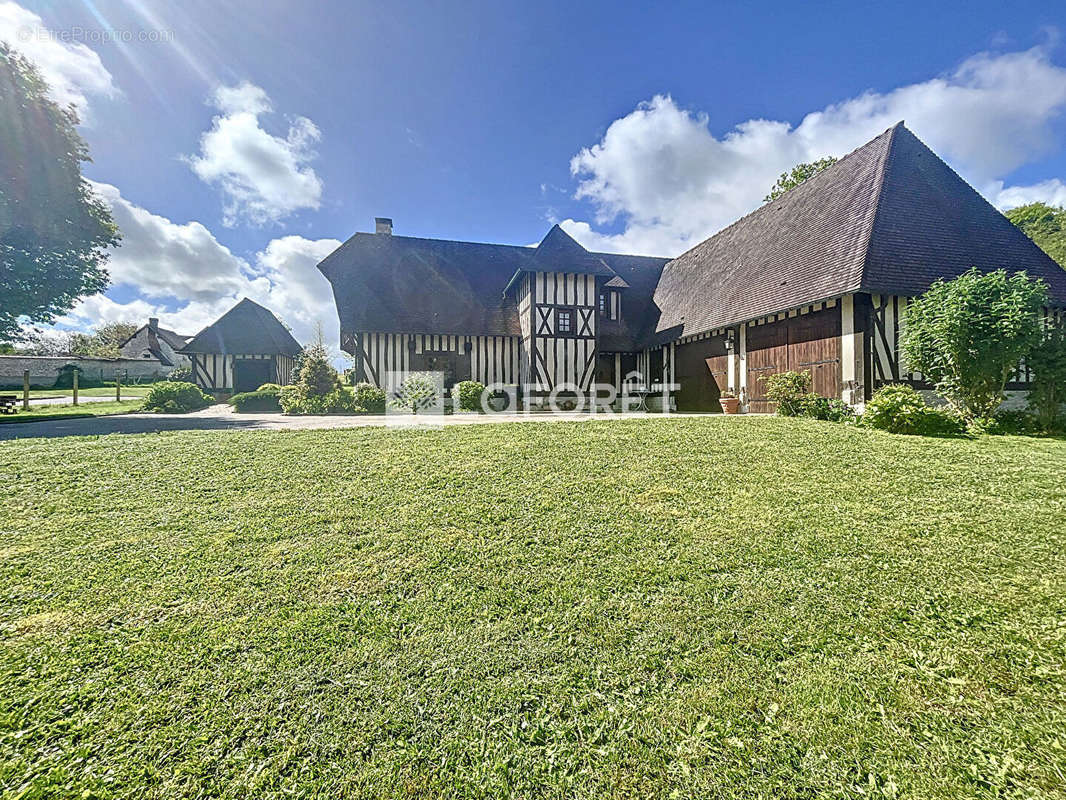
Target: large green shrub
(1047, 391)
(270, 387)
(468, 394)
(180, 375)
(968, 336)
(790, 390)
(297, 400)
(370, 397)
(175, 397)
(898, 408)
(262, 400)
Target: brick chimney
(383, 226)
(153, 324)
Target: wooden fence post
(75, 374)
(118, 386)
(25, 390)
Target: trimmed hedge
(370, 397)
(298, 400)
(261, 400)
(175, 397)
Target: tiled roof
(247, 328)
(144, 338)
(401, 284)
(890, 217)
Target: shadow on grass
(21, 419)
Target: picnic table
(8, 403)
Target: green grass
(70, 411)
(693, 608)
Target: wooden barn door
(718, 364)
(804, 343)
(699, 388)
(814, 346)
(767, 355)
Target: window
(564, 322)
(609, 304)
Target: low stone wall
(44, 369)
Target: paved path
(66, 401)
(222, 417)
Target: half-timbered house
(816, 280)
(243, 349)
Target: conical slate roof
(890, 217)
(246, 329)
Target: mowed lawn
(690, 608)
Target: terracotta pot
(730, 405)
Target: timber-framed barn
(816, 280)
(243, 349)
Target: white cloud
(290, 264)
(72, 69)
(163, 258)
(669, 182)
(1052, 192)
(187, 278)
(263, 178)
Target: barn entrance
(455, 366)
(251, 373)
(804, 343)
(699, 386)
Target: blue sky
(241, 149)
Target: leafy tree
(54, 232)
(46, 343)
(104, 342)
(968, 336)
(797, 175)
(1048, 388)
(1045, 225)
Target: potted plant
(729, 401)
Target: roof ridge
(807, 183)
(875, 207)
